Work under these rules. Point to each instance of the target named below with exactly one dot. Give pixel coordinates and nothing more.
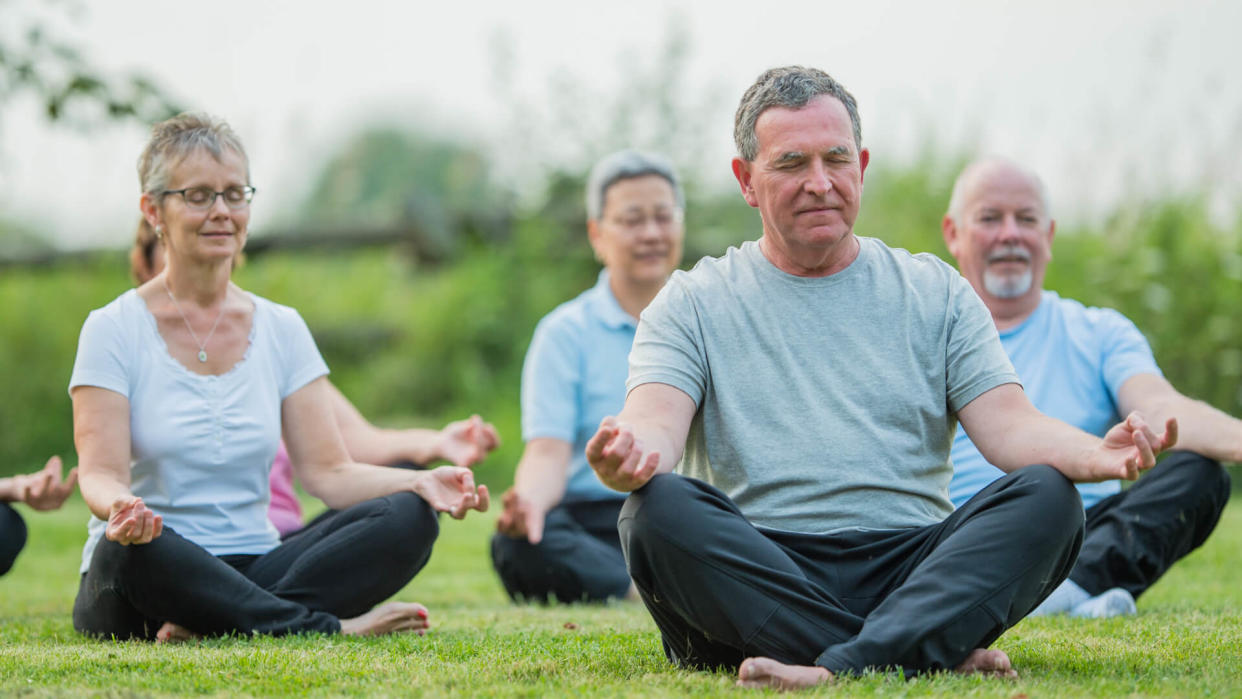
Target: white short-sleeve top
(201, 446)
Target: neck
(1010, 313)
(205, 285)
(631, 295)
(812, 262)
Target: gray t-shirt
(825, 403)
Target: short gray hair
(791, 87)
(172, 140)
(625, 165)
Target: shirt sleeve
(302, 362)
(668, 345)
(975, 360)
(102, 355)
(1124, 351)
(552, 381)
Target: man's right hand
(132, 523)
(520, 518)
(618, 459)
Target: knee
(1201, 475)
(1051, 498)
(411, 513)
(658, 506)
(12, 537)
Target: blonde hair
(174, 139)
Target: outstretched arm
(461, 443)
(325, 468)
(647, 438)
(1011, 433)
(43, 490)
(1202, 428)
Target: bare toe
(392, 617)
(993, 663)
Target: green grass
(1185, 641)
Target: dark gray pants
(338, 568)
(12, 536)
(1133, 537)
(579, 558)
(916, 599)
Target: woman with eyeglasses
(181, 391)
(557, 536)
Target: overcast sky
(1107, 99)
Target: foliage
(421, 344)
(1184, 641)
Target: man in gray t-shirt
(807, 387)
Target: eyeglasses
(203, 198)
(638, 221)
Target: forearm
(100, 489)
(8, 490)
(1202, 428)
(369, 444)
(541, 476)
(345, 484)
(1040, 439)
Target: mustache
(1009, 251)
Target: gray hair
(625, 165)
(174, 139)
(791, 87)
(973, 171)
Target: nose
(817, 181)
(218, 206)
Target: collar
(606, 308)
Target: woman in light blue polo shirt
(557, 536)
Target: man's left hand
(1130, 447)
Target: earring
(159, 231)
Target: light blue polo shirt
(574, 377)
(1072, 361)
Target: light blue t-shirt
(1072, 360)
(823, 403)
(201, 446)
(574, 377)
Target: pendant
(202, 355)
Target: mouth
(1009, 254)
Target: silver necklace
(202, 346)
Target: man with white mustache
(1085, 366)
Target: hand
(132, 523)
(521, 518)
(451, 489)
(765, 672)
(617, 457)
(1130, 447)
(466, 442)
(45, 490)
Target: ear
(949, 230)
(150, 210)
(864, 157)
(741, 170)
(593, 235)
(1052, 233)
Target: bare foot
(765, 672)
(992, 663)
(393, 617)
(174, 633)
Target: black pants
(916, 599)
(12, 536)
(579, 558)
(339, 568)
(1133, 537)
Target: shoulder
(922, 265)
(278, 316)
(123, 312)
(1083, 318)
(570, 319)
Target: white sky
(1108, 99)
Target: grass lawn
(1186, 640)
